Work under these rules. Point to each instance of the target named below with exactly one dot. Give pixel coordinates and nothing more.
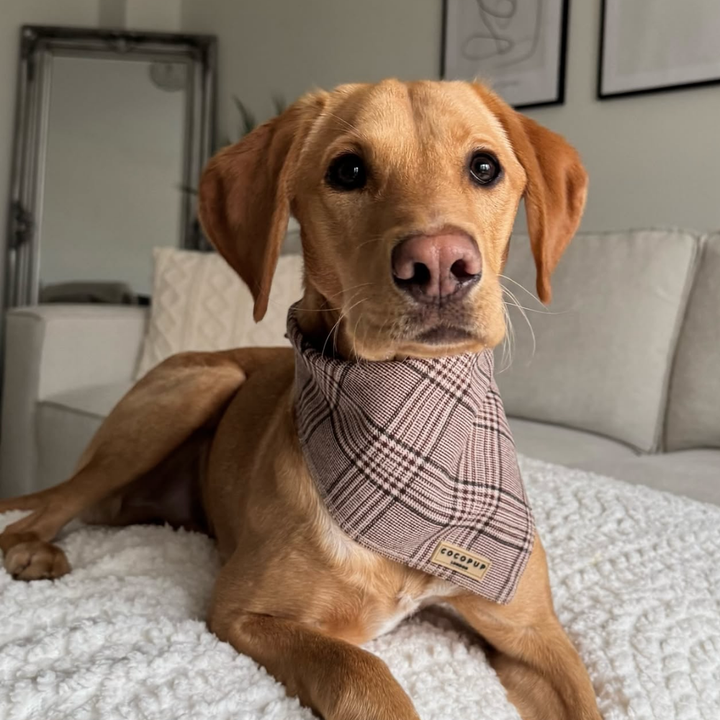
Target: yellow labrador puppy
(368, 471)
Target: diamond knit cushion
(199, 303)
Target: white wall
(158, 15)
(286, 47)
(653, 160)
(113, 172)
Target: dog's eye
(484, 168)
(347, 172)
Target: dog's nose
(432, 267)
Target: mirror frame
(38, 45)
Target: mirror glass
(113, 174)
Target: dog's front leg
(533, 657)
(338, 680)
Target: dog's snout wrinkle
(434, 267)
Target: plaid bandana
(415, 461)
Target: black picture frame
(559, 97)
(603, 94)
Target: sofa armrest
(55, 348)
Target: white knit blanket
(635, 573)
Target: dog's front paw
(36, 560)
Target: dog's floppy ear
(245, 194)
(556, 187)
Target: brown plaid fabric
(416, 462)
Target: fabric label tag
(462, 561)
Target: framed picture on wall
(516, 46)
(653, 45)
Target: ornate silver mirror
(112, 131)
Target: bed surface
(635, 575)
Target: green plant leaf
(279, 103)
(248, 122)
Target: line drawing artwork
(517, 46)
(503, 31)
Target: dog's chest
(408, 604)
(391, 591)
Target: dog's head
(406, 194)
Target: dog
(406, 194)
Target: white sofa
(624, 379)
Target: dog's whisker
(515, 302)
(356, 357)
(508, 341)
(521, 286)
(330, 334)
(334, 295)
(346, 290)
(372, 239)
(354, 287)
(527, 309)
(319, 310)
(332, 309)
(535, 310)
(347, 124)
(336, 326)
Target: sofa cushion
(65, 424)
(694, 473)
(603, 349)
(200, 303)
(693, 417)
(563, 446)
